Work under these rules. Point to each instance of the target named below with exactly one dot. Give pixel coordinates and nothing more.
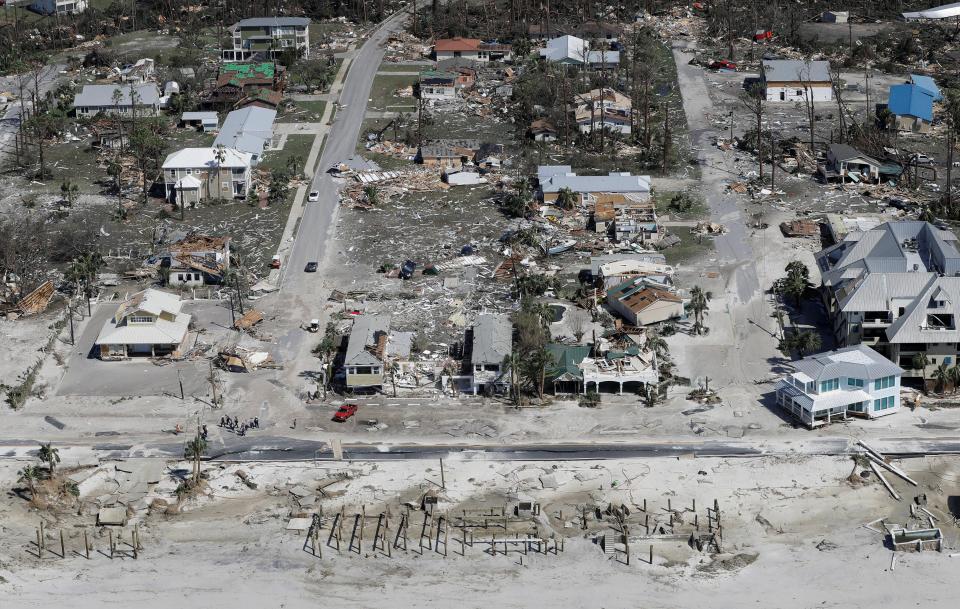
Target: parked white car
(313, 197)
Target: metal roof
(653, 257)
(911, 100)
(274, 22)
(102, 95)
(200, 158)
(795, 70)
(913, 326)
(614, 182)
(858, 361)
(365, 332)
(945, 11)
(203, 117)
(247, 130)
(118, 331)
(492, 339)
(928, 84)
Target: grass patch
(689, 248)
(296, 146)
(382, 94)
(303, 112)
(680, 205)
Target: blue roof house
(912, 107)
(928, 84)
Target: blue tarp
(927, 84)
(911, 100)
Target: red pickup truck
(345, 412)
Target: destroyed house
(248, 130)
(793, 80)
(197, 260)
(447, 153)
(125, 100)
(598, 30)
(847, 163)
(632, 370)
(366, 354)
(148, 324)
(471, 48)
(542, 130)
(268, 38)
(555, 178)
(641, 302)
(435, 84)
(492, 341)
(854, 381)
(629, 217)
(464, 70)
(896, 289)
(603, 108)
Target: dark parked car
(406, 271)
(310, 268)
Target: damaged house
(603, 108)
(148, 324)
(492, 341)
(197, 260)
(855, 381)
(896, 289)
(471, 48)
(371, 350)
(577, 369)
(847, 163)
(642, 302)
(438, 85)
(570, 50)
(242, 84)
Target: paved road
(254, 447)
(312, 235)
(10, 121)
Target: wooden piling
(110, 533)
(63, 547)
(39, 546)
(86, 545)
(651, 554)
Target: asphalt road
(253, 448)
(312, 234)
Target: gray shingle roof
(844, 152)
(365, 331)
(492, 339)
(794, 70)
(858, 361)
(102, 95)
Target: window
(884, 403)
(884, 383)
(948, 360)
(852, 382)
(140, 319)
(179, 276)
(361, 370)
(829, 385)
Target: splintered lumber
(882, 463)
(249, 319)
(876, 471)
(37, 300)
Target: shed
(835, 16)
(208, 121)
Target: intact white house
(791, 80)
(118, 99)
(191, 175)
(58, 7)
(854, 381)
(148, 324)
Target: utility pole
(233, 319)
(213, 385)
(236, 283)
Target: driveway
(88, 375)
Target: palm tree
(69, 190)
(656, 343)
(534, 367)
(566, 199)
(512, 363)
(954, 375)
(220, 154)
(50, 456)
(920, 362)
(808, 342)
(29, 475)
(698, 305)
(942, 376)
(394, 368)
(193, 450)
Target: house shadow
(769, 401)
